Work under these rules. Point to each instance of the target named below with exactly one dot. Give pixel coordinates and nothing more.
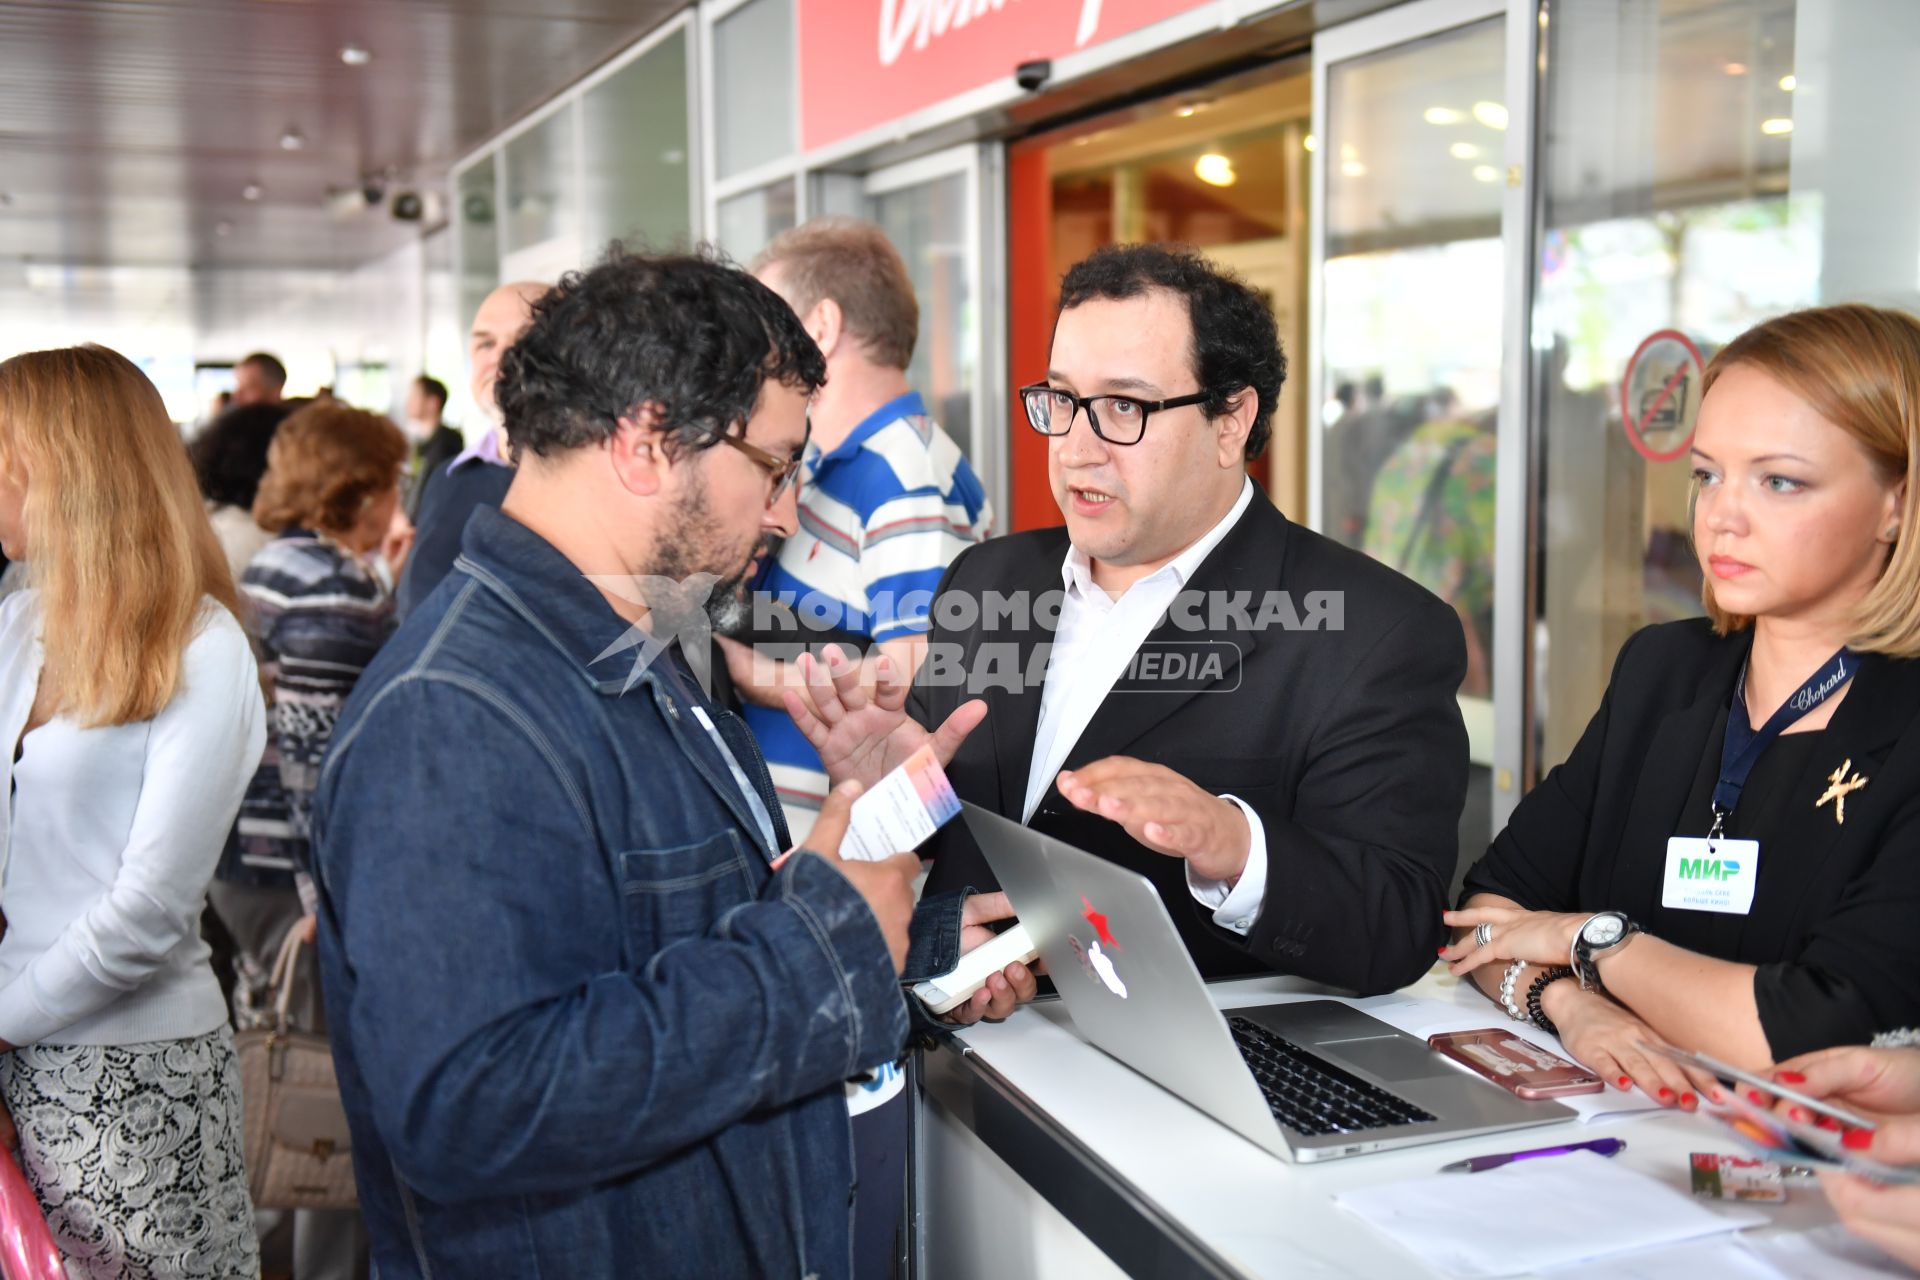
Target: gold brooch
(1838, 791)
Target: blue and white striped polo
(881, 516)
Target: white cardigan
(110, 840)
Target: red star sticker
(1099, 922)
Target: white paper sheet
(1536, 1214)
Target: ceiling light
(1310, 142)
(252, 191)
(1789, 82)
(1464, 151)
(1776, 127)
(292, 140)
(1349, 152)
(1215, 170)
(1490, 114)
(1485, 173)
(1735, 68)
(1354, 169)
(1443, 115)
(355, 56)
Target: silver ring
(1482, 934)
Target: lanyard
(1744, 744)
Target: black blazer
(1348, 743)
(1835, 923)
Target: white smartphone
(955, 987)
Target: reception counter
(1038, 1155)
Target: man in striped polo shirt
(887, 499)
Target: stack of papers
(1536, 1214)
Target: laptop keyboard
(1310, 1095)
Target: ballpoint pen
(1480, 1164)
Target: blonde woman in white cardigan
(132, 719)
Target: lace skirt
(135, 1153)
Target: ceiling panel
(129, 129)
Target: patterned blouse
(318, 614)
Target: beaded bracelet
(1507, 980)
(1534, 1011)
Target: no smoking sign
(1659, 393)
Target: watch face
(1604, 932)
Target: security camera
(1033, 76)
(407, 206)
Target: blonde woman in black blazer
(1804, 507)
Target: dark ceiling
(130, 130)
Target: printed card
(902, 810)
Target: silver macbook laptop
(1309, 1080)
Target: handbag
(27, 1251)
(298, 1147)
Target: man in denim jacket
(584, 1027)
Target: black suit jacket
(1348, 743)
(1835, 923)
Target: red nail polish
(1665, 1094)
(1626, 1082)
(1689, 1101)
(1827, 1122)
(1756, 1097)
(1797, 1114)
(1442, 951)
(1789, 1077)
(1857, 1139)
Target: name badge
(1711, 875)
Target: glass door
(1417, 165)
(930, 209)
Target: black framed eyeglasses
(1115, 419)
(782, 471)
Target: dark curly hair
(1235, 343)
(689, 333)
(230, 453)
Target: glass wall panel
(1707, 166)
(1410, 341)
(479, 238)
(750, 219)
(540, 194)
(753, 99)
(928, 224)
(637, 175)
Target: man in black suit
(1257, 718)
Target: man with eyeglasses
(1257, 718)
(588, 1019)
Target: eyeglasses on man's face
(781, 471)
(1115, 419)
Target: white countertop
(1270, 1218)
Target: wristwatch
(1604, 933)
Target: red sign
(1654, 394)
(864, 63)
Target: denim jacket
(582, 1030)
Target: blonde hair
(1859, 368)
(119, 547)
(324, 464)
(852, 262)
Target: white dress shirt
(1096, 638)
(110, 840)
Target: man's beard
(692, 551)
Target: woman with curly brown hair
(132, 716)
(319, 609)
